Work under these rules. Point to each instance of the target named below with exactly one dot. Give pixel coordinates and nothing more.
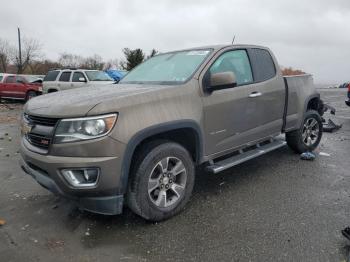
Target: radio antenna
(233, 40)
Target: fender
(304, 109)
(154, 130)
(308, 99)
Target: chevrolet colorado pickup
(138, 144)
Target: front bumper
(105, 198)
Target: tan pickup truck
(137, 143)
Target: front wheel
(162, 180)
(30, 95)
(308, 136)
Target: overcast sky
(312, 35)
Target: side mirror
(20, 82)
(82, 79)
(222, 80)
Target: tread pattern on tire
(293, 138)
(143, 156)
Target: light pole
(19, 69)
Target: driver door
(228, 122)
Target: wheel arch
(314, 102)
(170, 131)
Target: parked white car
(63, 79)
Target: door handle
(255, 94)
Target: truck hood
(101, 82)
(78, 102)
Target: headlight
(77, 129)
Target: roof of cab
(219, 47)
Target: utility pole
(19, 69)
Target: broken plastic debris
(331, 126)
(346, 232)
(25, 227)
(324, 154)
(2, 222)
(308, 156)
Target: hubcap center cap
(165, 180)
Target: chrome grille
(38, 120)
(42, 131)
(39, 140)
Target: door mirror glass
(82, 79)
(222, 80)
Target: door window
(51, 76)
(65, 76)
(235, 61)
(262, 64)
(10, 79)
(20, 79)
(76, 76)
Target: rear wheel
(30, 95)
(161, 181)
(308, 136)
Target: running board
(245, 156)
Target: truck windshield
(98, 76)
(169, 68)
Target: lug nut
(161, 186)
(170, 181)
(167, 186)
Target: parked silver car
(63, 79)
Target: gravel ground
(273, 208)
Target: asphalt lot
(273, 208)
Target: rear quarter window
(51, 76)
(262, 64)
(10, 79)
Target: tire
(147, 183)
(30, 95)
(307, 138)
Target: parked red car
(18, 87)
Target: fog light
(81, 177)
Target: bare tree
(112, 64)
(30, 52)
(93, 62)
(6, 54)
(153, 53)
(70, 60)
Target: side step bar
(245, 156)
